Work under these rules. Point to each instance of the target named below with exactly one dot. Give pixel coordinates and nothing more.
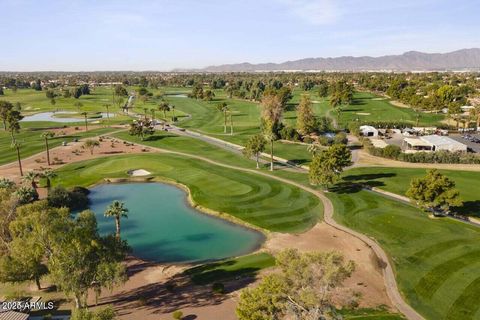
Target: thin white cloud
(318, 12)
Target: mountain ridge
(459, 60)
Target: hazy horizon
(84, 35)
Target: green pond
(162, 226)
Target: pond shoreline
(259, 246)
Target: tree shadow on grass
(348, 187)
(368, 176)
(290, 106)
(469, 208)
(160, 137)
(297, 161)
(176, 293)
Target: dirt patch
(155, 291)
(399, 104)
(367, 278)
(72, 152)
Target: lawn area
(260, 201)
(230, 269)
(170, 141)
(205, 118)
(397, 180)
(33, 143)
(35, 101)
(370, 314)
(369, 107)
(436, 261)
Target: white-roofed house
(415, 144)
(368, 131)
(444, 143)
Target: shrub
(392, 152)
(289, 133)
(307, 139)
(177, 315)
(218, 287)
(324, 141)
(75, 199)
(354, 128)
(340, 138)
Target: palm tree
(231, 123)
(173, 116)
(17, 145)
(6, 183)
(222, 107)
(31, 177)
(145, 110)
(117, 210)
(91, 144)
(335, 102)
(164, 107)
(107, 106)
(78, 104)
(152, 111)
(48, 175)
(47, 135)
(26, 194)
(86, 121)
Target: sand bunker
(363, 113)
(139, 173)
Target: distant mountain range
(461, 60)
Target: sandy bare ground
(154, 301)
(73, 152)
(366, 160)
(146, 294)
(399, 104)
(367, 278)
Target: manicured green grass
(33, 143)
(369, 107)
(170, 141)
(35, 101)
(370, 314)
(397, 180)
(205, 118)
(257, 200)
(436, 261)
(230, 269)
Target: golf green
(162, 227)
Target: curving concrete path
(388, 274)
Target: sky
(89, 35)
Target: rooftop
(440, 140)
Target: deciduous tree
(328, 164)
(254, 147)
(434, 191)
(306, 121)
